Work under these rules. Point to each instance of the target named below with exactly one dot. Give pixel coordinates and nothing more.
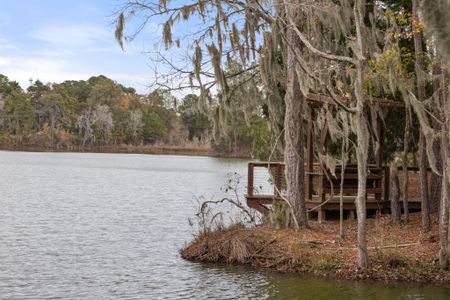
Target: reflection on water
(101, 226)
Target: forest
(225, 149)
(254, 65)
(100, 112)
(358, 53)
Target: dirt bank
(397, 253)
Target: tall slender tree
(294, 120)
(419, 67)
(235, 30)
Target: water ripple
(108, 226)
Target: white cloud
(139, 82)
(67, 52)
(4, 62)
(51, 53)
(5, 44)
(48, 69)
(44, 69)
(115, 49)
(72, 36)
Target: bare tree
(362, 134)
(84, 123)
(406, 138)
(445, 200)
(438, 100)
(293, 122)
(435, 17)
(234, 30)
(103, 119)
(135, 124)
(425, 213)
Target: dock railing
(266, 184)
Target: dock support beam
(321, 215)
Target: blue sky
(57, 40)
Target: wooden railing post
(309, 157)
(250, 179)
(278, 180)
(379, 159)
(380, 134)
(386, 183)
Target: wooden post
(386, 182)
(380, 134)
(322, 178)
(309, 155)
(351, 215)
(250, 180)
(278, 180)
(395, 195)
(379, 156)
(323, 138)
(320, 215)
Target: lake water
(109, 226)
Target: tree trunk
(435, 14)
(294, 127)
(58, 145)
(52, 129)
(341, 188)
(362, 137)
(425, 213)
(444, 210)
(438, 102)
(394, 195)
(406, 138)
(423, 173)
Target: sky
(57, 40)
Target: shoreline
(126, 149)
(400, 253)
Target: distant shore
(397, 253)
(149, 149)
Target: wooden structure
(320, 185)
(320, 191)
(259, 201)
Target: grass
(396, 253)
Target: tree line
(102, 112)
(351, 51)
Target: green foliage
(253, 138)
(7, 86)
(196, 122)
(37, 90)
(154, 129)
(327, 263)
(104, 91)
(77, 89)
(20, 114)
(100, 111)
(257, 133)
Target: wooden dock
(266, 185)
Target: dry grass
(148, 149)
(402, 253)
